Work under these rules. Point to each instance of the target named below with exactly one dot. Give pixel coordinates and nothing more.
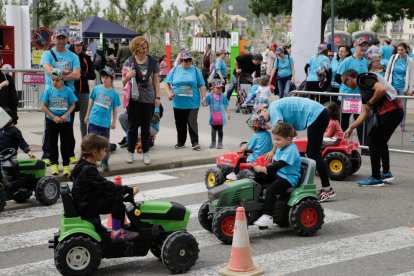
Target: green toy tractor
(298, 207)
(19, 178)
(80, 244)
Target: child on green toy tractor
(93, 194)
(285, 169)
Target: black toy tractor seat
(68, 205)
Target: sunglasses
(187, 60)
(330, 55)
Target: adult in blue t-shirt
(188, 88)
(220, 67)
(303, 113)
(386, 49)
(285, 67)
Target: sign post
(234, 51)
(101, 40)
(168, 49)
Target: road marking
(321, 254)
(134, 179)
(409, 273)
(46, 211)
(203, 237)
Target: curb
(120, 169)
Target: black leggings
(214, 130)
(313, 150)
(54, 130)
(378, 139)
(104, 204)
(277, 187)
(184, 118)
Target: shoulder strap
(53, 55)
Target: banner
(306, 33)
(75, 27)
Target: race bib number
(63, 65)
(351, 106)
(185, 91)
(58, 104)
(103, 101)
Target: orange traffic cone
(117, 181)
(241, 262)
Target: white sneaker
(264, 221)
(130, 157)
(244, 105)
(147, 158)
(232, 176)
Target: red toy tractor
(342, 159)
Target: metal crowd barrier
(402, 142)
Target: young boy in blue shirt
(58, 102)
(103, 101)
(285, 168)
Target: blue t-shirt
(185, 84)
(260, 143)
(359, 65)
(220, 65)
(104, 102)
(335, 65)
(156, 125)
(219, 103)
(411, 55)
(298, 112)
(290, 172)
(66, 61)
(284, 66)
(386, 51)
(58, 101)
(253, 90)
(316, 62)
(398, 73)
(384, 62)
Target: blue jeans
(102, 131)
(283, 84)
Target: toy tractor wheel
(21, 196)
(47, 190)
(156, 247)
(205, 221)
(339, 165)
(77, 255)
(306, 217)
(3, 199)
(356, 161)
(179, 252)
(223, 225)
(246, 173)
(214, 177)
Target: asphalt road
(367, 231)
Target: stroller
(244, 85)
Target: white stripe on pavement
(203, 237)
(56, 209)
(409, 273)
(23, 240)
(321, 254)
(134, 179)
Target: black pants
(361, 130)
(55, 130)
(277, 187)
(214, 130)
(72, 142)
(139, 115)
(314, 86)
(313, 150)
(378, 139)
(184, 118)
(232, 86)
(45, 141)
(104, 204)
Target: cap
(107, 71)
(123, 41)
(388, 40)
(280, 50)
(223, 51)
(373, 57)
(60, 32)
(322, 48)
(77, 39)
(56, 73)
(257, 122)
(186, 55)
(217, 83)
(360, 41)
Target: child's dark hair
(333, 110)
(90, 143)
(161, 58)
(264, 80)
(283, 129)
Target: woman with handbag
(378, 96)
(285, 68)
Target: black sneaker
(179, 146)
(196, 146)
(123, 143)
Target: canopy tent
(93, 26)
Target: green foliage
(49, 12)
(377, 26)
(2, 15)
(75, 12)
(394, 10)
(353, 27)
(112, 14)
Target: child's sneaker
(196, 146)
(244, 105)
(219, 145)
(212, 145)
(123, 235)
(326, 195)
(66, 170)
(232, 176)
(54, 169)
(387, 177)
(264, 221)
(47, 161)
(130, 157)
(371, 182)
(73, 160)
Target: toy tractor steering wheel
(130, 198)
(7, 154)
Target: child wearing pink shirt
(333, 133)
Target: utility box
(7, 44)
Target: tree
(394, 10)
(266, 29)
(347, 9)
(377, 26)
(353, 27)
(112, 14)
(49, 12)
(2, 15)
(76, 12)
(136, 14)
